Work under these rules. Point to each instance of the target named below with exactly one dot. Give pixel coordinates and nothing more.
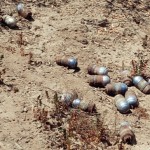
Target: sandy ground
(69, 28)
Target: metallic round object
(96, 70)
(121, 104)
(102, 71)
(99, 80)
(126, 133)
(137, 79)
(126, 77)
(131, 98)
(68, 97)
(142, 84)
(9, 21)
(76, 103)
(120, 88)
(72, 62)
(87, 106)
(25, 13)
(106, 80)
(20, 7)
(110, 90)
(146, 90)
(67, 62)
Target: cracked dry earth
(69, 28)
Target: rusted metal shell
(142, 85)
(121, 104)
(87, 106)
(27, 14)
(126, 77)
(146, 90)
(68, 97)
(9, 21)
(96, 70)
(126, 133)
(110, 89)
(127, 81)
(67, 62)
(131, 98)
(99, 80)
(116, 88)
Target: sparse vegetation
(139, 67)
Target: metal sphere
(72, 62)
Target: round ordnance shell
(76, 103)
(67, 62)
(23, 12)
(9, 21)
(99, 80)
(121, 104)
(146, 90)
(110, 89)
(143, 86)
(68, 97)
(116, 88)
(126, 77)
(136, 80)
(127, 81)
(120, 88)
(87, 106)
(126, 133)
(96, 70)
(131, 98)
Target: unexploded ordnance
(76, 103)
(99, 80)
(126, 133)
(24, 12)
(137, 79)
(126, 78)
(121, 104)
(131, 98)
(68, 97)
(141, 84)
(96, 70)
(9, 21)
(116, 88)
(67, 62)
(87, 106)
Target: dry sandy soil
(105, 33)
